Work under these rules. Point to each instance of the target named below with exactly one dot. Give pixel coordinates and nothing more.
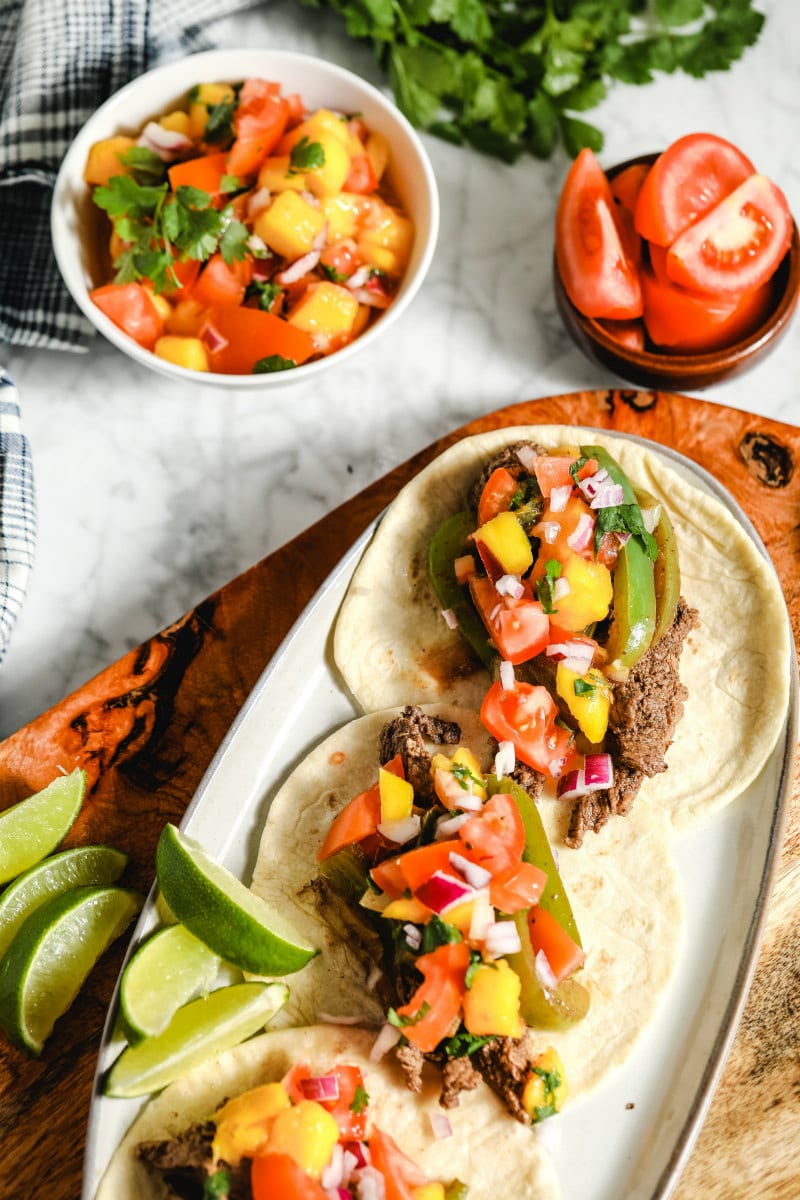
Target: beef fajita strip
(406, 735)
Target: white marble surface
(151, 494)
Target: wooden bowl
(659, 368)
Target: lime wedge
(166, 971)
(79, 867)
(198, 1031)
(31, 829)
(222, 912)
(43, 969)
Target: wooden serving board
(146, 728)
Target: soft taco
(638, 625)
(432, 889)
(307, 1113)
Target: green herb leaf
(145, 164)
(273, 362)
(306, 155)
(266, 291)
(582, 687)
(464, 776)
(394, 1018)
(219, 126)
(463, 1044)
(624, 518)
(545, 587)
(475, 961)
(360, 1100)
(438, 933)
(217, 1185)
(233, 243)
(230, 183)
(332, 274)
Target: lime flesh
(199, 1030)
(43, 969)
(34, 827)
(166, 971)
(224, 914)
(78, 867)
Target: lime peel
(33, 828)
(165, 972)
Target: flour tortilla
(495, 1156)
(623, 885)
(392, 645)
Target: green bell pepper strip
(667, 573)
(634, 621)
(447, 544)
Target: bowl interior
(79, 235)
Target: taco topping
(307, 1137)
(479, 940)
(564, 580)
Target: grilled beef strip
(504, 458)
(184, 1162)
(406, 735)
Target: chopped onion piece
(166, 143)
(475, 875)
(559, 497)
(388, 1037)
(401, 831)
(258, 247)
(507, 678)
(413, 936)
(510, 585)
(544, 972)
(482, 916)
(651, 517)
(299, 268)
(470, 802)
(333, 1019)
(450, 825)
(502, 938)
(582, 534)
(359, 278)
(549, 530)
(443, 891)
(212, 338)
(450, 618)
(440, 1124)
(320, 1087)
(577, 655)
(592, 484)
(320, 239)
(371, 1185)
(609, 496)
(598, 771)
(505, 760)
(333, 1174)
(372, 298)
(260, 199)
(561, 588)
(571, 785)
(527, 456)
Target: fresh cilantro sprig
(266, 291)
(360, 1100)
(624, 518)
(515, 76)
(545, 587)
(306, 155)
(273, 362)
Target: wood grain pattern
(146, 728)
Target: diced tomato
(597, 273)
(185, 274)
(352, 1124)
(359, 819)
(588, 468)
(297, 109)
(278, 1177)
(204, 173)
(341, 257)
(522, 890)
(520, 629)
(130, 307)
(220, 285)
(552, 470)
(736, 246)
(389, 877)
(444, 971)
(361, 178)
(563, 954)
(696, 322)
(419, 864)
(260, 119)
(496, 495)
(495, 838)
(627, 333)
(251, 334)
(400, 1174)
(626, 185)
(526, 717)
(689, 178)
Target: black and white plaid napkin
(59, 60)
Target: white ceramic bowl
(321, 84)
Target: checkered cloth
(17, 510)
(59, 59)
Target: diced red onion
(598, 771)
(475, 875)
(507, 677)
(482, 916)
(212, 338)
(622, 536)
(549, 530)
(366, 295)
(371, 1185)
(333, 1176)
(502, 938)
(351, 1160)
(259, 200)
(592, 484)
(450, 825)
(561, 588)
(440, 1124)
(359, 278)
(527, 456)
(389, 1036)
(320, 1087)
(559, 497)
(609, 496)
(358, 1151)
(450, 618)
(413, 936)
(505, 760)
(572, 785)
(544, 972)
(651, 517)
(333, 1019)
(400, 831)
(510, 585)
(299, 268)
(577, 655)
(166, 143)
(443, 891)
(581, 535)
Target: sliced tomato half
(526, 717)
(595, 268)
(738, 245)
(696, 322)
(688, 179)
(520, 629)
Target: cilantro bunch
(510, 76)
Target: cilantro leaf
(463, 776)
(545, 587)
(360, 1100)
(266, 291)
(146, 166)
(475, 961)
(219, 126)
(624, 518)
(273, 362)
(233, 243)
(438, 933)
(305, 155)
(583, 687)
(463, 1044)
(217, 1185)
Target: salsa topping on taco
(309, 1136)
(564, 579)
(478, 935)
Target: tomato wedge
(204, 173)
(219, 284)
(132, 310)
(626, 185)
(401, 1175)
(695, 322)
(444, 971)
(738, 244)
(520, 629)
(689, 178)
(261, 117)
(496, 495)
(526, 717)
(278, 1177)
(595, 268)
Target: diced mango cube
(103, 162)
(176, 122)
(325, 308)
(328, 179)
(588, 698)
(243, 1123)
(290, 225)
(343, 214)
(186, 352)
(507, 542)
(408, 908)
(428, 1191)
(186, 318)
(275, 175)
(323, 121)
(491, 1003)
(307, 1133)
(202, 98)
(377, 149)
(589, 597)
(386, 237)
(460, 916)
(397, 796)
(546, 1089)
(464, 768)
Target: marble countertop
(151, 493)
